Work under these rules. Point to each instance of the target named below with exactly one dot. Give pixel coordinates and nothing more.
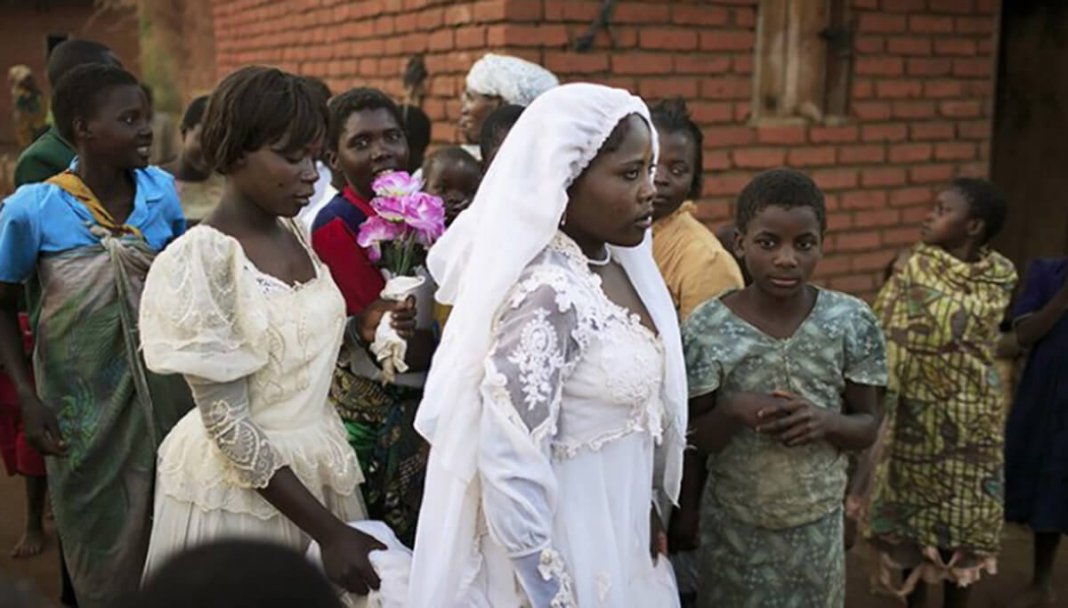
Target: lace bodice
(578, 369)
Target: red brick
(910, 153)
(727, 41)
(976, 169)
(975, 25)
(865, 4)
(570, 10)
(927, 174)
(699, 63)
(909, 46)
(915, 215)
(861, 155)
(928, 131)
(904, 6)
(914, 109)
(844, 134)
(881, 23)
(871, 110)
(905, 197)
(857, 241)
(975, 68)
(899, 89)
(863, 199)
(879, 66)
(975, 129)
(716, 160)
(876, 218)
(961, 7)
(837, 221)
(955, 151)
(471, 37)
(642, 14)
(941, 89)
(729, 136)
(835, 179)
(554, 35)
(924, 24)
(782, 134)
(523, 10)
(809, 156)
(699, 15)
(576, 63)
(886, 132)
(641, 63)
(668, 39)
(986, 46)
(961, 109)
(705, 112)
(901, 236)
(454, 15)
(871, 261)
(863, 89)
(929, 67)
(729, 184)
(745, 17)
(988, 6)
(870, 45)
(430, 19)
(741, 112)
(726, 88)
(743, 64)
(883, 176)
(964, 47)
(759, 158)
(662, 88)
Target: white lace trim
(243, 443)
(538, 356)
(551, 567)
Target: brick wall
(922, 88)
(24, 31)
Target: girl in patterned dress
(783, 381)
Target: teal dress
(771, 516)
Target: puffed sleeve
(534, 352)
(865, 348)
(20, 234)
(703, 347)
(201, 313)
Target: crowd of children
(798, 396)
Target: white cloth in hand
(393, 566)
(388, 347)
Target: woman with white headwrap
(556, 405)
(495, 81)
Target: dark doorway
(1030, 142)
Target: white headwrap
(516, 80)
(514, 216)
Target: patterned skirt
(744, 566)
(379, 420)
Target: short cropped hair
(79, 93)
(672, 116)
(70, 54)
(985, 202)
(450, 154)
(194, 113)
(496, 127)
(779, 188)
(357, 100)
(256, 106)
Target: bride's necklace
(600, 263)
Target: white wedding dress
(572, 416)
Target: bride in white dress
(556, 404)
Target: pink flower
(396, 184)
(392, 208)
(425, 213)
(374, 232)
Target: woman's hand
(797, 422)
(658, 540)
(346, 563)
(42, 428)
(403, 320)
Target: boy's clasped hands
(788, 418)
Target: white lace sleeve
(224, 411)
(201, 313)
(533, 353)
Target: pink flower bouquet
(406, 223)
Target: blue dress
(1036, 440)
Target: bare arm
(799, 422)
(716, 420)
(1034, 327)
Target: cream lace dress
(259, 355)
(572, 416)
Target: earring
(563, 220)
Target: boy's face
(674, 171)
(781, 247)
(371, 143)
(948, 225)
(119, 130)
(455, 182)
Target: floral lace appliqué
(243, 443)
(538, 356)
(551, 567)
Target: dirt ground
(993, 592)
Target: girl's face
(278, 178)
(612, 201)
(455, 182)
(781, 247)
(474, 108)
(948, 225)
(371, 143)
(119, 132)
(674, 171)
